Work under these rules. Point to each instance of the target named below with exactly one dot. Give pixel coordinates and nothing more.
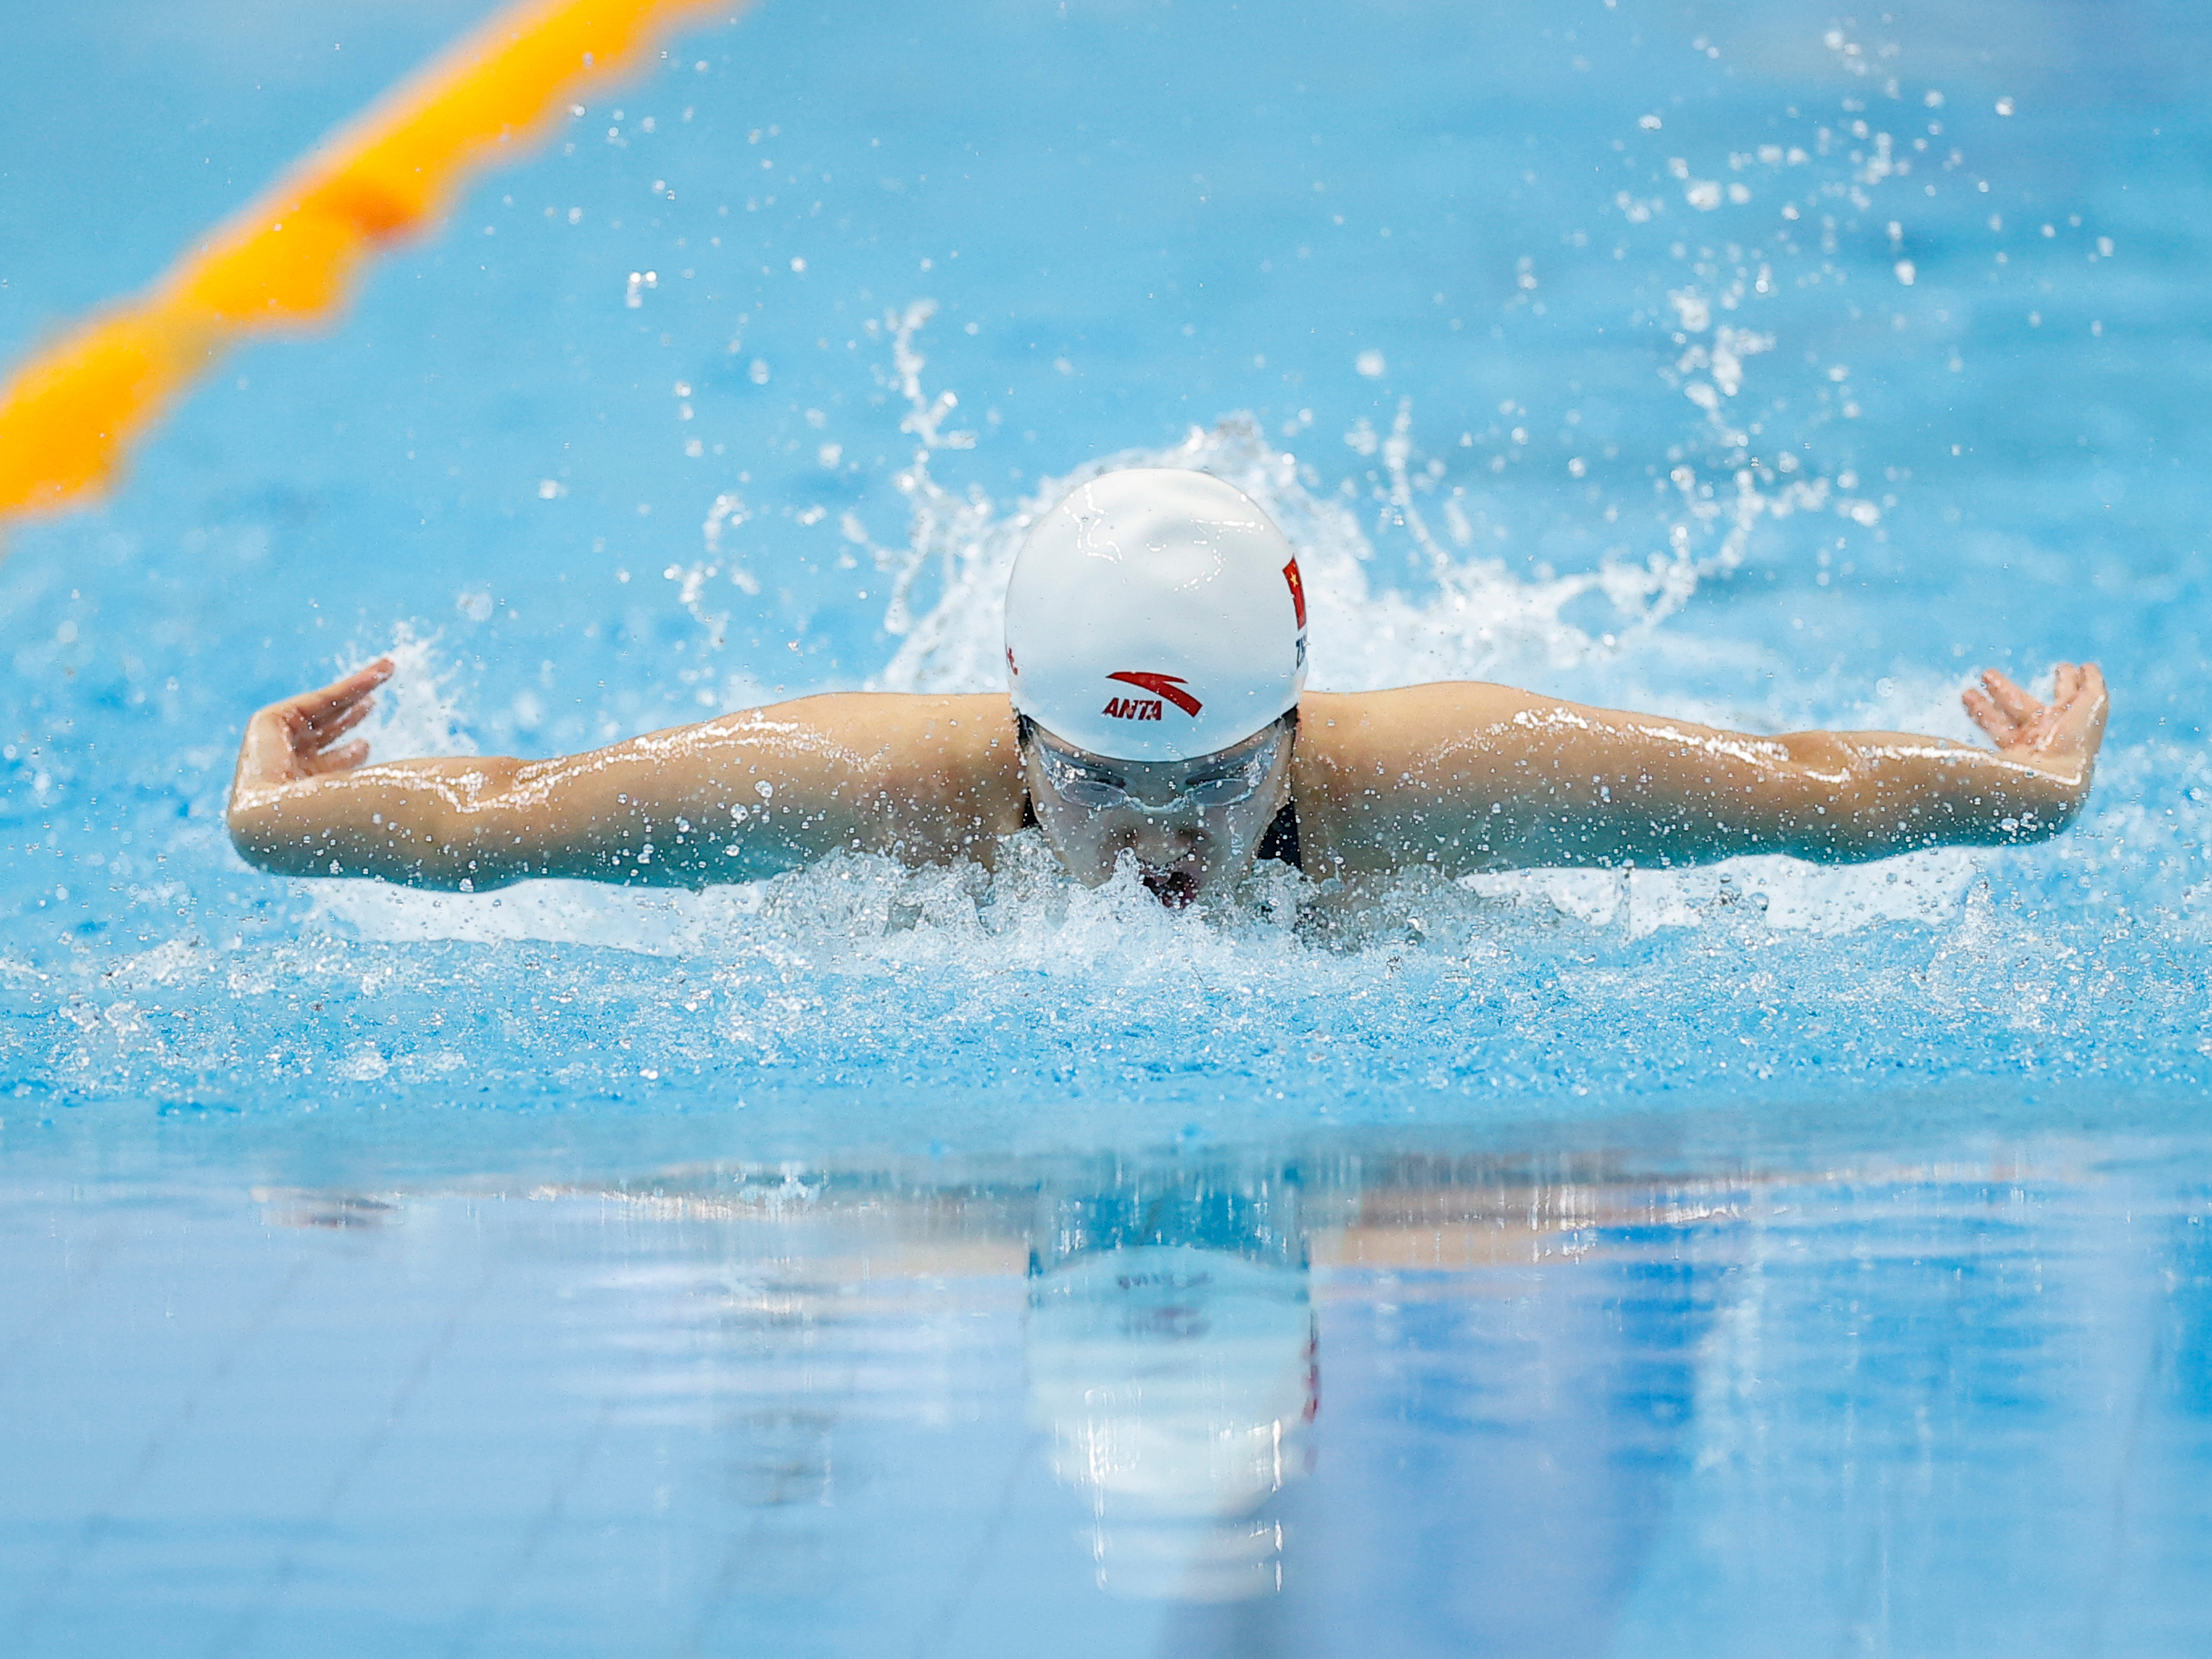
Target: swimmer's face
(1192, 826)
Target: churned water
(1758, 1258)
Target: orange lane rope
(289, 259)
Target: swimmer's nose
(1164, 843)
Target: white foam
(648, 921)
(867, 914)
(1784, 894)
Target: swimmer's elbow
(248, 835)
(302, 830)
(256, 822)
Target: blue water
(1686, 1258)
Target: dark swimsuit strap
(1279, 844)
(1281, 841)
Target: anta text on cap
(1156, 615)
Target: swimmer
(1156, 650)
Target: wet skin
(1459, 776)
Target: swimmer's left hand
(2060, 737)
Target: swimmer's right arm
(746, 795)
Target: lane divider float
(290, 258)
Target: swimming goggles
(1224, 782)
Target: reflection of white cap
(1156, 615)
(1177, 1383)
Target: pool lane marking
(290, 258)
(23, 1338)
(93, 1529)
(469, 1630)
(244, 1626)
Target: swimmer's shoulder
(951, 772)
(923, 777)
(1364, 757)
(948, 759)
(914, 736)
(1346, 735)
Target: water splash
(420, 710)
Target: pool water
(1763, 1257)
(1938, 1409)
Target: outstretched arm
(926, 779)
(1482, 777)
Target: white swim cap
(1155, 616)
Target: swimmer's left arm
(1478, 777)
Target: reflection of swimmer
(1177, 1383)
(1173, 1360)
(1155, 651)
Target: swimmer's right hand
(294, 740)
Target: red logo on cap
(1169, 686)
(1297, 590)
